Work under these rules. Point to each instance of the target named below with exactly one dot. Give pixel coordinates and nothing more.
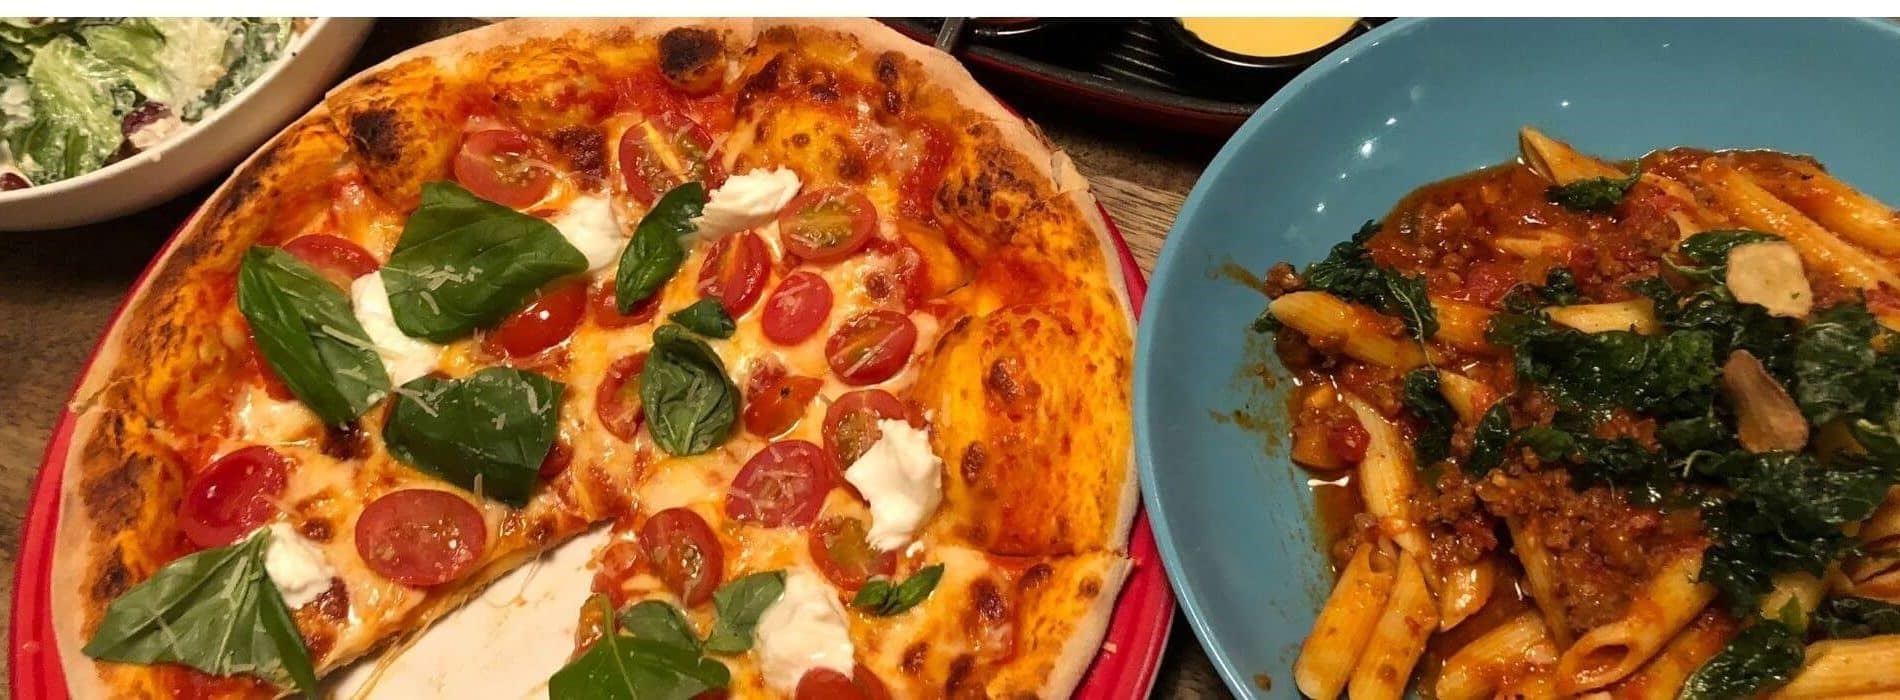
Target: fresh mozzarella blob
(804, 629)
(901, 479)
(746, 201)
(296, 566)
(589, 225)
(405, 358)
(266, 420)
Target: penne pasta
(1387, 479)
(1756, 208)
(1519, 647)
(1613, 651)
(1397, 639)
(1557, 161)
(1543, 244)
(1540, 577)
(1462, 325)
(1468, 397)
(1637, 315)
(1847, 667)
(1357, 331)
(1842, 209)
(1663, 676)
(1340, 633)
(1464, 590)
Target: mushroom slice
(1769, 274)
(1766, 417)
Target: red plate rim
(1124, 668)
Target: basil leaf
(215, 611)
(706, 317)
(1594, 195)
(1855, 618)
(740, 603)
(620, 667)
(691, 405)
(495, 425)
(881, 598)
(661, 623)
(307, 332)
(655, 254)
(1436, 420)
(1493, 434)
(464, 263)
(1761, 657)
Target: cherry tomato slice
(827, 225)
(774, 403)
(871, 347)
(784, 484)
(421, 537)
(617, 400)
(684, 554)
(735, 271)
(664, 152)
(336, 258)
(498, 165)
(826, 684)
(233, 496)
(838, 545)
(547, 320)
(851, 423)
(797, 309)
(274, 385)
(559, 456)
(607, 314)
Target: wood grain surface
(58, 289)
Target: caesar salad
(79, 94)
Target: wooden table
(58, 288)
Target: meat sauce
(1474, 238)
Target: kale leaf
(1783, 513)
(1665, 374)
(1435, 417)
(1490, 439)
(1763, 656)
(1349, 273)
(1838, 372)
(1854, 618)
(1595, 195)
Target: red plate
(1123, 669)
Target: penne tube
(1879, 537)
(1834, 204)
(1637, 315)
(1539, 577)
(1543, 244)
(1387, 479)
(1668, 601)
(1756, 208)
(1339, 635)
(1847, 667)
(1557, 161)
(1357, 331)
(1469, 398)
(1463, 325)
(1663, 676)
(1398, 638)
(1520, 646)
(1464, 590)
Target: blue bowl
(1407, 104)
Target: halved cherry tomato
(547, 320)
(619, 560)
(233, 496)
(827, 224)
(784, 484)
(871, 347)
(336, 258)
(559, 456)
(607, 314)
(684, 554)
(826, 684)
(797, 309)
(838, 545)
(617, 400)
(774, 402)
(498, 165)
(664, 152)
(851, 423)
(421, 537)
(735, 271)
(274, 385)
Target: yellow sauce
(1268, 36)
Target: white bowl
(206, 149)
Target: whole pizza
(825, 338)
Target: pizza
(827, 341)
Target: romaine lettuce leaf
(132, 46)
(254, 44)
(76, 101)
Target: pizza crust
(225, 223)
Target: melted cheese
(804, 629)
(265, 420)
(901, 479)
(589, 225)
(746, 201)
(296, 566)
(404, 357)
